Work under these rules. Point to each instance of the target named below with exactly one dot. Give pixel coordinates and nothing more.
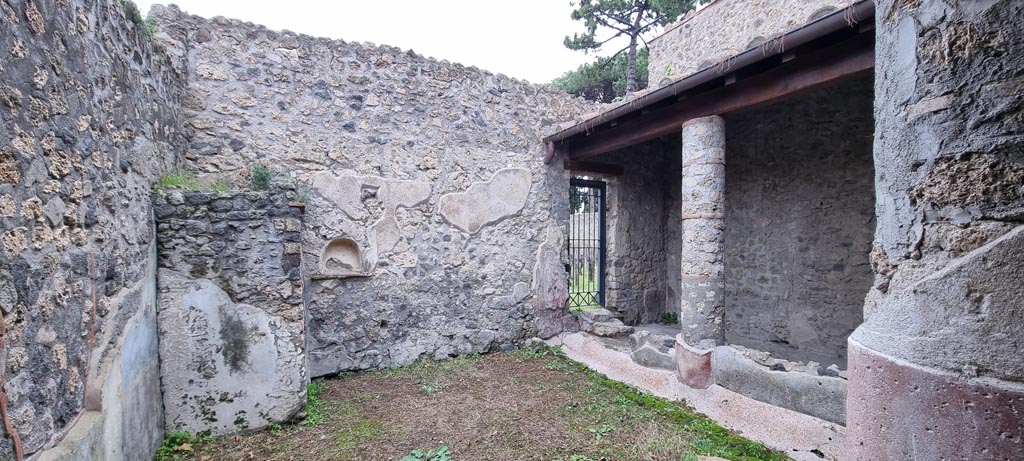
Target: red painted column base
(693, 365)
(896, 410)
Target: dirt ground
(523, 405)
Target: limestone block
(651, 357)
(237, 368)
(601, 322)
(819, 396)
(487, 202)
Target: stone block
(808, 393)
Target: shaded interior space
(799, 222)
(643, 232)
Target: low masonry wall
(230, 310)
(433, 228)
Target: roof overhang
(831, 48)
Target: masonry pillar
(702, 294)
(935, 370)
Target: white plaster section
(487, 202)
(238, 368)
(788, 431)
(346, 192)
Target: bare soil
(524, 405)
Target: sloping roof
(638, 102)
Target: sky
(518, 38)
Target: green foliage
(441, 454)
(428, 388)
(177, 180)
(259, 176)
(151, 26)
(632, 19)
(314, 403)
(177, 446)
(669, 318)
(186, 181)
(601, 430)
(603, 80)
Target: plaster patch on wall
(242, 387)
(487, 202)
(361, 198)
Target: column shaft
(703, 226)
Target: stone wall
(88, 119)
(943, 319)
(230, 310)
(433, 227)
(799, 207)
(640, 227)
(726, 28)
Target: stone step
(653, 350)
(602, 322)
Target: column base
(693, 365)
(898, 410)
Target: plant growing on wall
(259, 176)
(632, 19)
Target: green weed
(177, 180)
(259, 176)
(314, 404)
(441, 454)
(177, 446)
(601, 430)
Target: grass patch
(314, 404)
(359, 433)
(177, 180)
(529, 404)
(186, 181)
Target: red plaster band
(695, 162)
(701, 216)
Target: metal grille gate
(586, 236)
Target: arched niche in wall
(342, 258)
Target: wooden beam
(852, 57)
(596, 169)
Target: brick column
(703, 225)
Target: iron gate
(586, 236)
